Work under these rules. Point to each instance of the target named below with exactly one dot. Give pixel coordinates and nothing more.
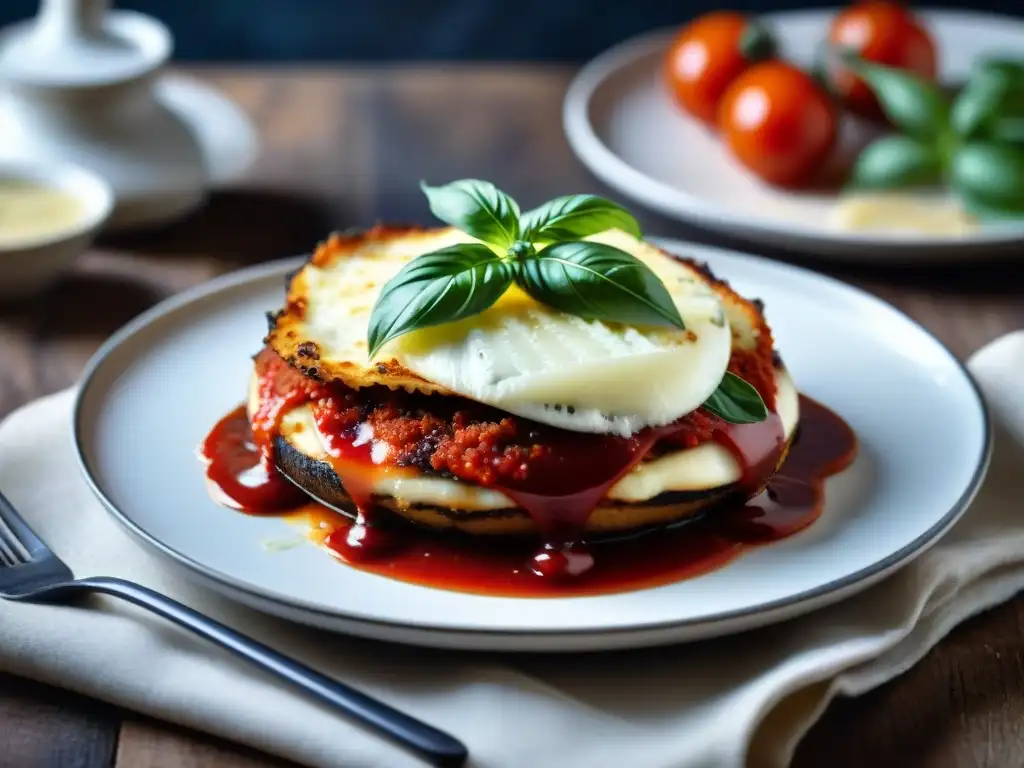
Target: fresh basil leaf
(1010, 71)
(478, 208)
(1007, 128)
(977, 104)
(985, 212)
(598, 282)
(574, 217)
(435, 288)
(736, 402)
(894, 162)
(913, 104)
(991, 174)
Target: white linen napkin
(742, 701)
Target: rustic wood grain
(963, 705)
(45, 728)
(347, 148)
(146, 744)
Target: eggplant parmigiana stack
(520, 419)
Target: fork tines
(10, 550)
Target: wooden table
(345, 147)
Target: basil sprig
(974, 144)
(544, 253)
(541, 250)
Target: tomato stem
(757, 42)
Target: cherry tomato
(708, 54)
(881, 32)
(778, 122)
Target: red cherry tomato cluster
(776, 119)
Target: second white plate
(623, 125)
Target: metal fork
(31, 572)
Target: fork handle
(436, 746)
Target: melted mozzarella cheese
(902, 214)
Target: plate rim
(599, 158)
(818, 596)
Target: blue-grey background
(403, 30)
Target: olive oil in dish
(32, 211)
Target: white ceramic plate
(622, 123)
(155, 389)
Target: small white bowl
(28, 266)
